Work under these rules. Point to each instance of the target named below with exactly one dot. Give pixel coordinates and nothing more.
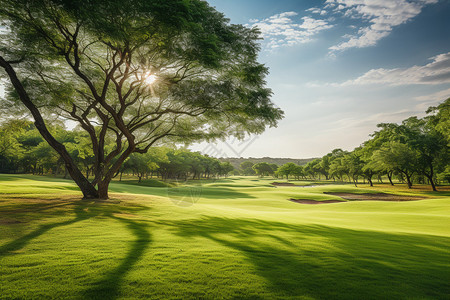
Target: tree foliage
(290, 169)
(138, 73)
(263, 169)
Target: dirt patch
(307, 201)
(375, 197)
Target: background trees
(263, 169)
(137, 73)
(247, 168)
(290, 169)
(417, 150)
(10, 150)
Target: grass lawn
(231, 238)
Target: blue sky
(339, 67)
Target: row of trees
(175, 164)
(417, 150)
(23, 150)
(265, 169)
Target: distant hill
(236, 162)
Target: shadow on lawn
(328, 262)
(109, 286)
(80, 215)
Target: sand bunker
(296, 185)
(374, 197)
(359, 197)
(306, 201)
(282, 184)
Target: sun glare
(150, 79)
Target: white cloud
(432, 99)
(381, 17)
(282, 29)
(435, 97)
(369, 121)
(316, 10)
(435, 72)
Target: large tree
(136, 72)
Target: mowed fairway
(231, 238)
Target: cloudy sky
(339, 67)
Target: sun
(150, 78)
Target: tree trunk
(389, 175)
(103, 189)
(408, 180)
(433, 185)
(370, 181)
(430, 178)
(85, 186)
(380, 180)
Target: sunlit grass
(229, 238)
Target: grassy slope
(230, 238)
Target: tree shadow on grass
(109, 286)
(323, 262)
(23, 208)
(80, 215)
(82, 209)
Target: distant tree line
(237, 161)
(23, 150)
(415, 151)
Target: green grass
(230, 238)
